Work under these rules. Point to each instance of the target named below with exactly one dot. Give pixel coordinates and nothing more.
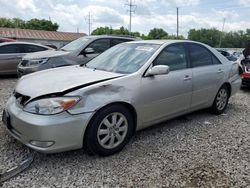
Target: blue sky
(72, 14)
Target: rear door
(10, 56)
(208, 75)
(167, 95)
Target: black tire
(92, 139)
(217, 109)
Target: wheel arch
(129, 106)
(228, 85)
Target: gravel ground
(197, 150)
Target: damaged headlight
(36, 62)
(51, 106)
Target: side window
(32, 48)
(174, 56)
(215, 60)
(118, 41)
(100, 45)
(200, 56)
(9, 49)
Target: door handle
(220, 71)
(187, 77)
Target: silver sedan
(129, 87)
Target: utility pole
(177, 29)
(131, 10)
(223, 25)
(89, 21)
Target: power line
(131, 10)
(89, 21)
(177, 17)
(223, 25)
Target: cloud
(246, 3)
(226, 14)
(72, 14)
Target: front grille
(22, 99)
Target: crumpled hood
(59, 80)
(45, 54)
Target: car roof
(9, 43)
(112, 36)
(161, 42)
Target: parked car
(245, 73)
(6, 40)
(79, 51)
(127, 88)
(11, 54)
(228, 55)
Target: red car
(6, 40)
(245, 74)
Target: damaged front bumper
(46, 134)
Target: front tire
(221, 101)
(109, 130)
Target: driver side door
(168, 95)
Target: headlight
(50, 106)
(36, 62)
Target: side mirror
(89, 51)
(158, 70)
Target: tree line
(155, 33)
(212, 37)
(37, 24)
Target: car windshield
(75, 45)
(124, 58)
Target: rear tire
(221, 101)
(109, 130)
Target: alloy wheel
(112, 130)
(221, 99)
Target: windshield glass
(124, 58)
(75, 45)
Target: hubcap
(112, 130)
(221, 99)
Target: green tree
(232, 39)
(207, 36)
(41, 25)
(157, 33)
(36, 24)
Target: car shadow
(8, 76)
(245, 88)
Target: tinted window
(199, 55)
(215, 60)
(174, 56)
(100, 45)
(9, 49)
(27, 48)
(118, 41)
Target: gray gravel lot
(198, 150)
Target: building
(56, 38)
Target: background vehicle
(245, 65)
(11, 54)
(127, 88)
(228, 55)
(79, 51)
(6, 40)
